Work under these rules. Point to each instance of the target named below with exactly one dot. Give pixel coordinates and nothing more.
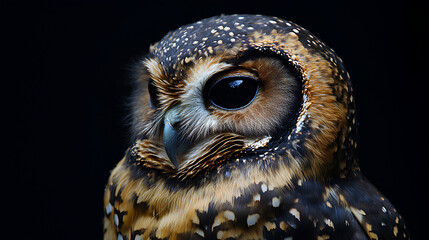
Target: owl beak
(174, 143)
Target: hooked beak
(174, 143)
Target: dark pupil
(233, 92)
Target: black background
(65, 82)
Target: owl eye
(233, 92)
(153, 93)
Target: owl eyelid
(235, 71)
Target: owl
(244, 127)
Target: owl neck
(323, 142)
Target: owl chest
(259, 213)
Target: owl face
(222, 91)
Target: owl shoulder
(343, 209)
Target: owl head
(242, 95)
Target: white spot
(329, 222)
(294, 57)
(383, 209)
(232, 40)
(295, 30)
(220, 27)
(264, 187)
(219, 42)
(219, 234)
(252, 219)
(257, 197)
(229, 215)
(300, 123)
(262, 142)
(276, 202)
(109, 208)
(240, 18)
(295, 213)
(273, 22)
(231, 34)
(383, 224)
(116, 219)
(250, 28)
(226, 28)
(195, 42)
(288, 24)
(200, 232)
(216, 223)
(288, 238)
(120, 237)
(358, 213)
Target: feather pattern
(284, 167)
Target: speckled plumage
(284, 167)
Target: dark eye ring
(232, 92)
